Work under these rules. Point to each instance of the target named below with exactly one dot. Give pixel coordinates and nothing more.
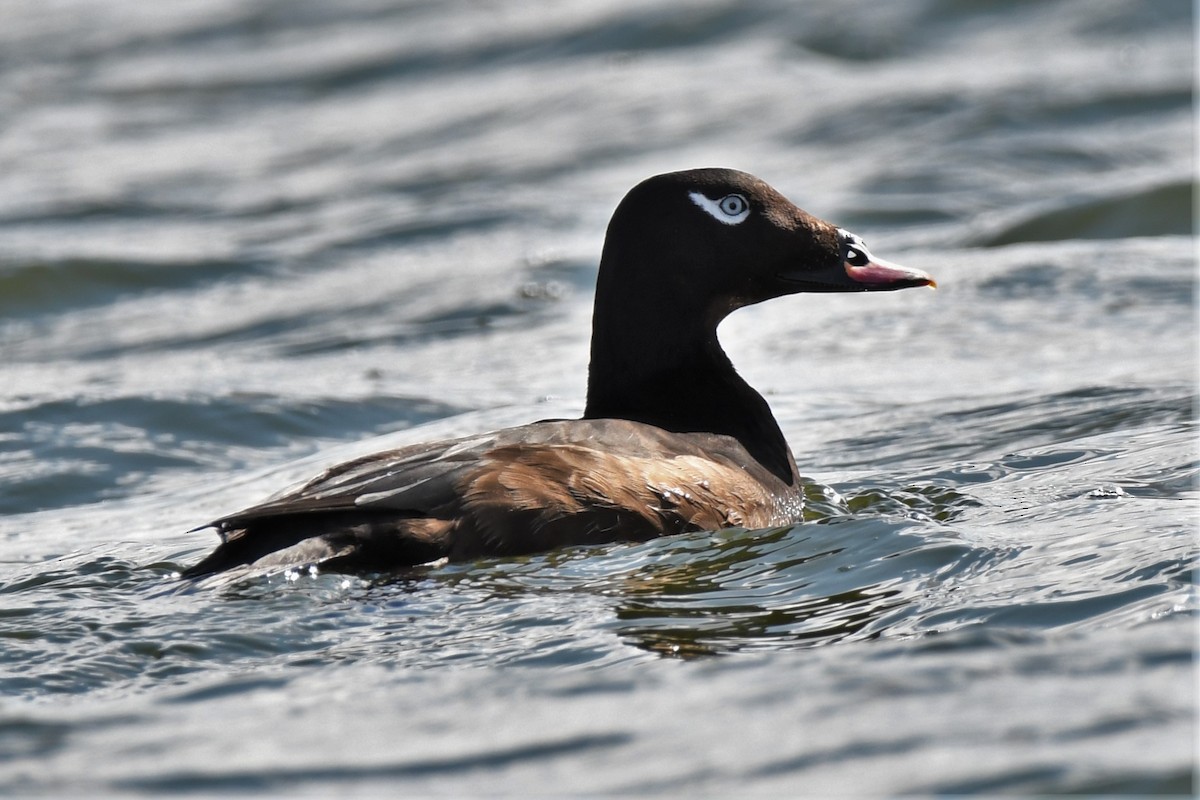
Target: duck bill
(867, 275)
(877, 275)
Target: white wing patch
(729, 210)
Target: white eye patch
(854, 251)
(730, 209)
(849, 238)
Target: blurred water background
(242, 240)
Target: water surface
(241, 242)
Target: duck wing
(520, 490)
(387, 507)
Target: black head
(683, 250)
(708, 241)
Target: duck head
(684, 250)
(707, 241)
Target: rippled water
(239, 242)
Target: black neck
(678, 378)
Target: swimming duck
(671, 439)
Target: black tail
(335, 541)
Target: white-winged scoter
(672, 439)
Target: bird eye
(856, 257)
(729, 210)
(854, 252)
(733, 204)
